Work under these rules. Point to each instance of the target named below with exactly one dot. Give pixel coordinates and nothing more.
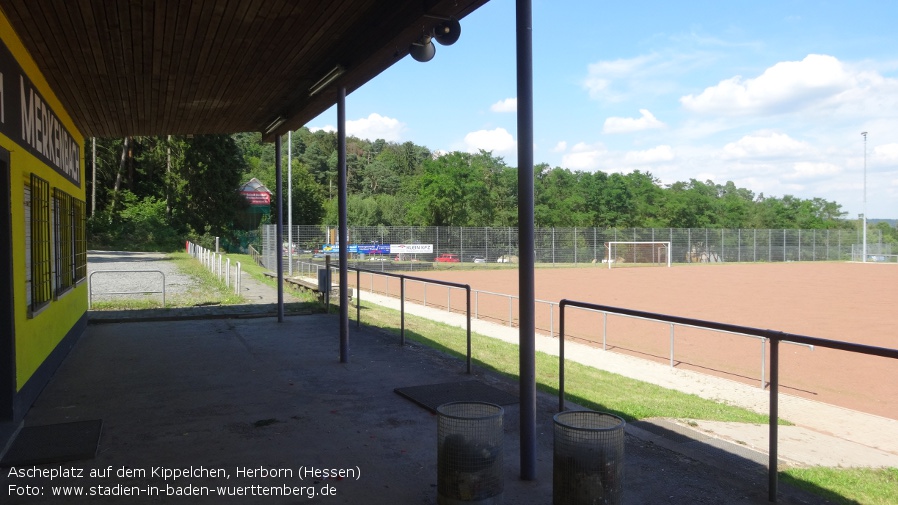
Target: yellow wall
(36, 337)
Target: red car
(448, 258)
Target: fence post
(671, 345)
(763, 363)
(509, 311)
(551, 320)
(604, 331)
(237, 280)
(477, 304)
(228, 274)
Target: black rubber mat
(54, 443)
(432, 396)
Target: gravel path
(127, 279)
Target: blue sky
(770, 95)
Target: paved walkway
(822, 435)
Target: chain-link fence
(582, 245)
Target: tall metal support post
(526, 289)
(343, 229)
(290, 203)
(279, 226)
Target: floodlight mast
(864, 247)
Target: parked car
(448, 258)
(479, 260)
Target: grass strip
(874, 486)
(590, 387)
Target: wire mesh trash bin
(588, 458)
(470, 453)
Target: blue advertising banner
(358, 248)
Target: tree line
(163, 188)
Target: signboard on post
(411, 248)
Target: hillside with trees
(162, 189)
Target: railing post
(468, 295)
(509, 311)
(551, 321)
(671, 345)
(774, 419)
(604, 331)
(401, 310)
(358, 298)
(561, 356)
(763, 362)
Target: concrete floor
(254, 394)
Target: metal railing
(775, 337)
(672, 339)
(90, 284)
(402, 278)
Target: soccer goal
(637, 254)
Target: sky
(771, 95)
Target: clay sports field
(840, 301)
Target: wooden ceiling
(144, 67)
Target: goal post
(637, 254)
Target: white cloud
(654, 155)
(628, 125)
(784, 87)
(560, 147)
(376, 126)
(765, 145)
(886, 154)
(507, 105)
(806, 171)
(584, 156)
(497, 141)
(372, 127)
(600, 74)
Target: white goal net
(637, 254)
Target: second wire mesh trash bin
(470, 453)
(588, 458)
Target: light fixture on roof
(325, 81)
(446, 33)
(274, 124)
